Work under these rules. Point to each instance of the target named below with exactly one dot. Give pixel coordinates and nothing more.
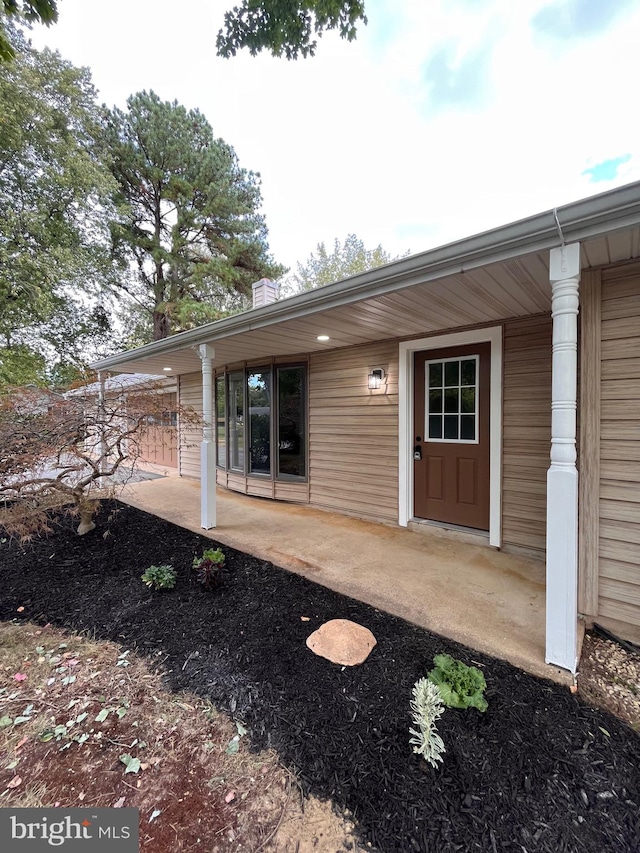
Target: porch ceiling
(476, 281)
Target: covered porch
(486, 599)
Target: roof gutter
(594, 216)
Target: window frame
(273, 369)
(459, 414)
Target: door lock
(417, 453)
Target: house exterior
(158, 443)
(491, 385)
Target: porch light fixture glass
(376, 378)
(323, 338)
(167, 368)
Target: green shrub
(461, 686)
(209, 567)
(160, 577)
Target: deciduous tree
(44, 11)
(190, 221)
(323, 267)
(55, 258)
(60, 452)
(287, 27)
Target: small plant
(160, 577)
(426, 708)
(461, 686)
(209, 567)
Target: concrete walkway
(483, 598)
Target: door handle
(417, 453)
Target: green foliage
(160, 577)
(347, 259)
(55, 260)
(209, 567)
(461, 686)
(426, 709)
(21, 365)
(286, 27)
(44, 11)
(188, 218)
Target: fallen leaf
(17, 780)
(305, 618)
(22, 742)
(118, 803)
(19, 676)
(154, 814)
(230, 797)
(81, 795)
(20, 609)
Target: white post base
(562, 568)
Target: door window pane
(435, 375)
(451, 427)
(291, 444)
(468, 400)
(468, 427)
(236, 420)
(221, 424)
(435, 400)
(259, 398)
(452, 399)
(468, 371)
(452, 373)
(435, 426)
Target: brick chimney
(265, 292)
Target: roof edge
(579, 220)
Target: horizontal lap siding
(526, 431)
(353, 432)
(619, 549)
(190, 396)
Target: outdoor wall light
(376, 378)
(322, 338)
(167, 368)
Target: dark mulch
(539, 771)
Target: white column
(562, 477)
(208, 447)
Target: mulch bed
(539, 771)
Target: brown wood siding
(526, 431)
(353, 432)
(190, 395)
(619, 541)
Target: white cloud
(350, 142)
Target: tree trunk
(161, 326)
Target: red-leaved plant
(209, 567)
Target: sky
(443, 119)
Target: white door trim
(405, 439)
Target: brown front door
(451, 435)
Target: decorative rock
(342, 641)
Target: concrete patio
(486, 599)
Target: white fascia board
(610, 211)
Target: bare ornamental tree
(67, 452)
